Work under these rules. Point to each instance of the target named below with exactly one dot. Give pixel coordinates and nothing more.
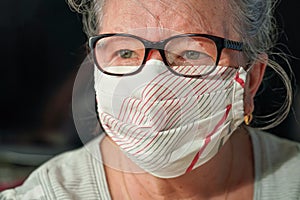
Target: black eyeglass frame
(221, 43)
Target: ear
(253, 81)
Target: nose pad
(154, 54)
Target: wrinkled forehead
(181, 16)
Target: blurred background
(42, 47)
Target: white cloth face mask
(167, 124)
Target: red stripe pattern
(169, 118)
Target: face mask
(167, 124)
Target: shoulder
(275, 151)
(66, 176)
(277, 162)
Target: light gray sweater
(79, 174)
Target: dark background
(42, 46)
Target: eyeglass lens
(194, 55)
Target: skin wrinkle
(155, 17)
(197, 20)
(176, 191)
(234, 20)
(194, 185)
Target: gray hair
(92, 14)
(253, 20)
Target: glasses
(188, 55)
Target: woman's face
(156, 20)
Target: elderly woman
(175, 83)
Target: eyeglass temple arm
(230, 44)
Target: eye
(191, 55)
(125, 53)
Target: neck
(215, 179)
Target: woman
(174, 81)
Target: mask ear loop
(249, 117)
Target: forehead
(181, 16)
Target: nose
(154, 54)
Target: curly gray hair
(254, 21)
